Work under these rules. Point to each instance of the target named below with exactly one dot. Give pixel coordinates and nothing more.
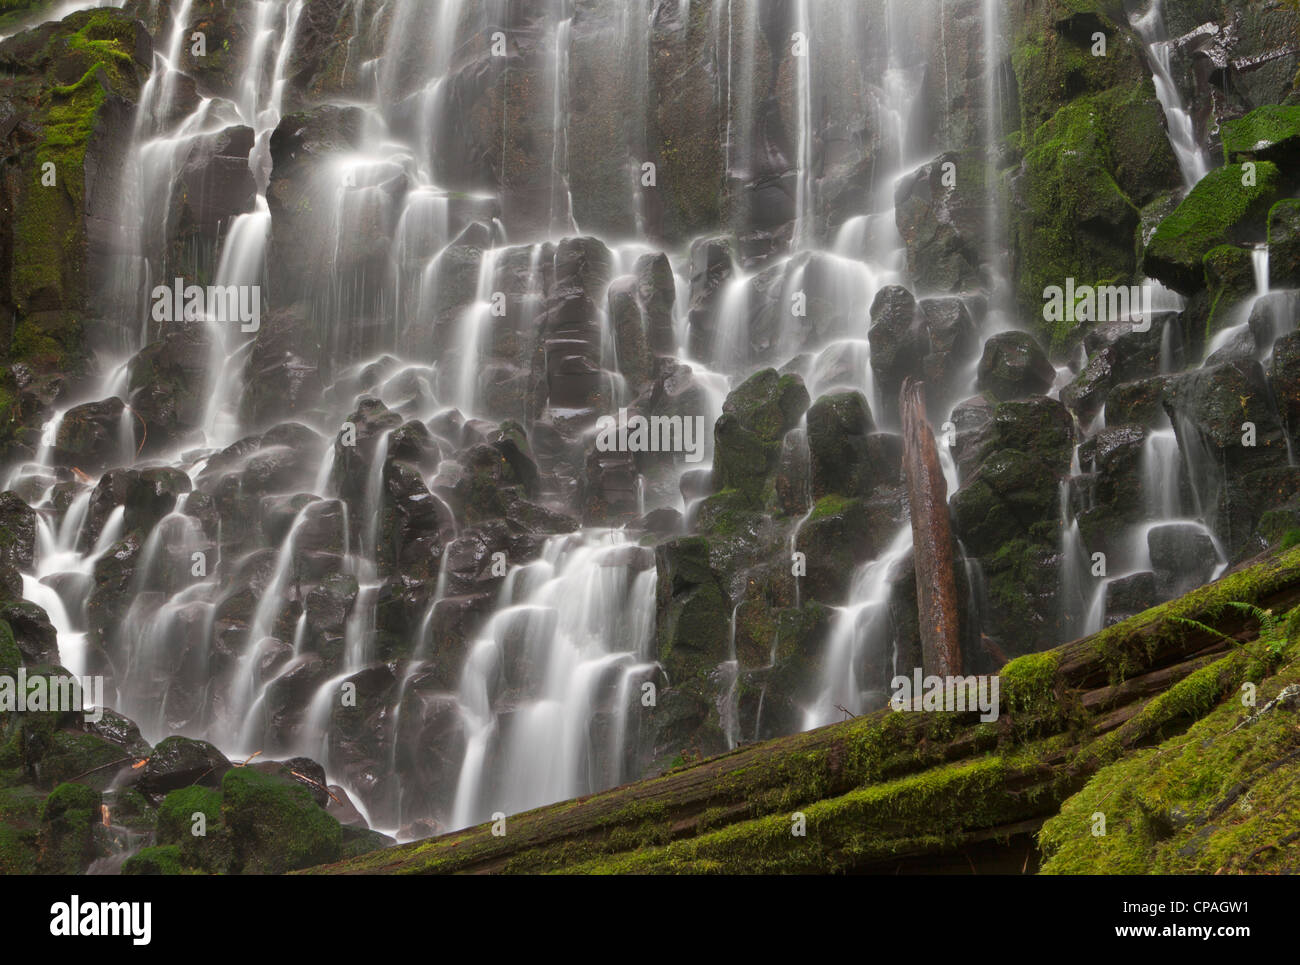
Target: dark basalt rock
(169, 381)
(91, 437)
(838, 430)
(1182, 555)
(280, 381)
(899, 342)
(17, 532)
(32, 632)
(748, 436)
(1014, 366)
(181, 762)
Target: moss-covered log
(931, 791)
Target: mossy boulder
(1011, 494)
(839, 427)
(1138, 403)
(1014, 366)
(17, 532)
(36, 637)
(748, 436)
(1086, 173)
(1229, 204)
(178, 820)
(1268, 133)
(87, 758)
(69, 817)
(1115, 486)
(20, 811)
(1039, 427)
(158, 860)
(694, 624)
(842, 534)
(11, 658)
(1210, 407)
(1230, 281)
(275, 825)
(1284, 375)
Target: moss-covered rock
(839, 536)
(1014, 366)
(159, 860)
(747, 438)
(1229, 281)
(1087, 172)
(838, 445)
(1010, 496)
(67, 837)
(1138, 403)
(1229, 204)
(74, 80)
(20, 810)
(1269, 133)
(275, 825)
(179, 762)
(210, 851)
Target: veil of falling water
(544, 704)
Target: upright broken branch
(932, 544)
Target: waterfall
(393, 485)
(573, 630)
(1192, 159)
(861, 637)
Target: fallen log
(899, 790)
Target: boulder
(1013, 366)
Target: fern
(1274, 635)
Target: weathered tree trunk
(932, 545)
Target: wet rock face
(711, 267)
(747, 439)
(180, 762)
(17, 532)
(1014, 366)
(942, 227)
(898, 341)
(93, 436)
(839, 446)
(169, 386)
(281, 381)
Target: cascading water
(1150, 27)
(435, 533)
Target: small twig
(144, 426)
(846, 711)
(304, 777)
(117, 763)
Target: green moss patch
(1220, 209)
